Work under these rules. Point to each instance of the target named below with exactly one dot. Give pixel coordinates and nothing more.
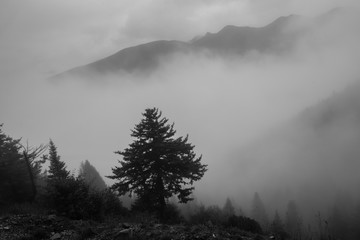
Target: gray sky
(235, 101)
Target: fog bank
(223, 104)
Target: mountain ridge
(279, 37)
(230, 39)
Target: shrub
(94, 205)
(244, 223)
(74, 198)
(112, 203)
(22, 208)
(69, 197)
(172, 214)
(211, 214)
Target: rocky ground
(37, 227)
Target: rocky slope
(53, 227)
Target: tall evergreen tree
(13, 173)
(33, 165)
(91, 176)
(259, 212)
(57, 168)
(157, 165)
(19, 169)
(293, 222)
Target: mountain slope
(240, 40)
(143, 58)
(310, 158)
(230, 40)
(279, 37)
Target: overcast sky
(39, 38)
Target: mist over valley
(272, 105)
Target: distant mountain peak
(231, 40)
(230, 28)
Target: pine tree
(20, 168)
(91, 176)
(157, 165)
(33, 165)
(13, 173)
(259, 212)
(57, 168)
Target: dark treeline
(23, 180)
(157, 173)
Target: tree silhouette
(19, 169)
(91, 176)
(13, 173)
(157, 165)
(57, 168)
(33, 164)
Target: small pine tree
(57, 169)
(259, 212)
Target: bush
(172, 214)
(94, 206)
(73, 198)
(69, 197)
(144, 203)
(112, 203)
(211, 214)
(22, 208)
(244, 223)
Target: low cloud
(223, 104)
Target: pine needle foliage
(57, 168)
(156, 165)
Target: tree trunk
(31, 175)
(161, 197)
